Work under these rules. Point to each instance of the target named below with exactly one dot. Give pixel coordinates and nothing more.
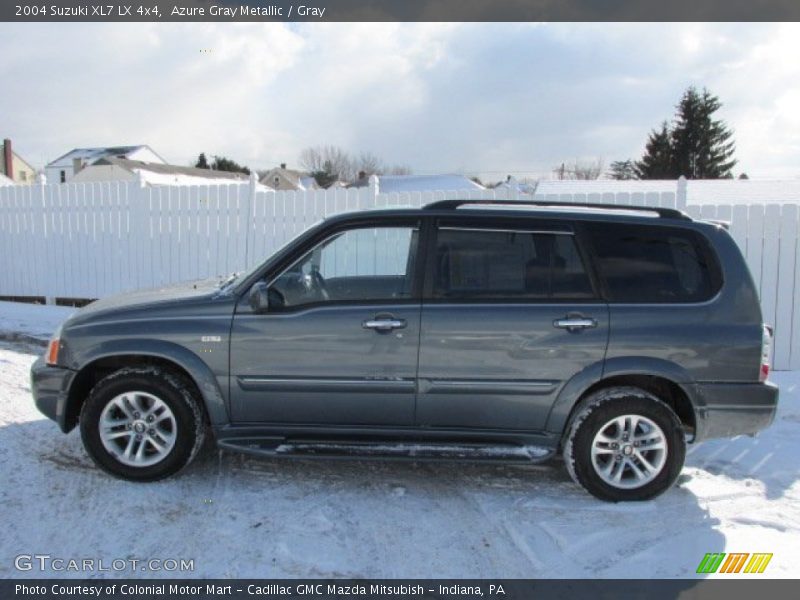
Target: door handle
(575, 323)
(384, 324)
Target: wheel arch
(132, 353)
(666, 380)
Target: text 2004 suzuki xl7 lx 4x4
(463, 329)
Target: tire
(612, 438)
(142, 423)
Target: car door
(510, 313)
(339, 342)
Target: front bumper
(730, 409)
(50, 386)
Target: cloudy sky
(486, 99)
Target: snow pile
(35, 321)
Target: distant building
(122, 169)
(14, 167)
(421, 183)
(281, 178)
(515, 185)
(64, 168)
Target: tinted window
(366, 264)
(654, 264)
(473, 264)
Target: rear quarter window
(646, 264)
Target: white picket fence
(95, 239)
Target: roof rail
(664, 213)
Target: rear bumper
(50, 386)
(730, 409)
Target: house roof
(90, 155)
(421, 183)
(698, 191)
(159, 173)
(299, 179)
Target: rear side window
(479, 265)
(654, 264)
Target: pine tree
(657, 162)
(702, 147)
(222, 163)
(623, 169)
(202, 162)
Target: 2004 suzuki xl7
(464, 329)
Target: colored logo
(734, 562)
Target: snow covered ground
(243, 517)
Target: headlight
(51, 356)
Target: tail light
(766, 353)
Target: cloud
(480, 98)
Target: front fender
(196, 368)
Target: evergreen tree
(202, 162)
(326, 176)
(657, 162)
(623, 169)
(702, 147)
(222, 163)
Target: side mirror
(259, 297)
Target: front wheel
(625, 444)
(142, 423)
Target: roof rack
(664, 213)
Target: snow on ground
(35, 321)
(238, 516)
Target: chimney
(77, 165)
(8, 159)
(283, 166)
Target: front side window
(508, 265)
(367, 264)
(645, 264)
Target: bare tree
(331, 163)
(398, 170)
(332, 160)
(580, 169)
(369, 164)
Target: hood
(145, 298)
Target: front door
(339, 342)
(510, 315)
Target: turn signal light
(51, 357)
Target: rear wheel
(625, 444)
(142, 423)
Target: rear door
(510, 313)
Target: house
(281, 178)
(515, 185)
(420, 183)
(14, 167)
(64, 168)
(112, 168)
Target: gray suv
(462, 330)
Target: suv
(464, 329)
